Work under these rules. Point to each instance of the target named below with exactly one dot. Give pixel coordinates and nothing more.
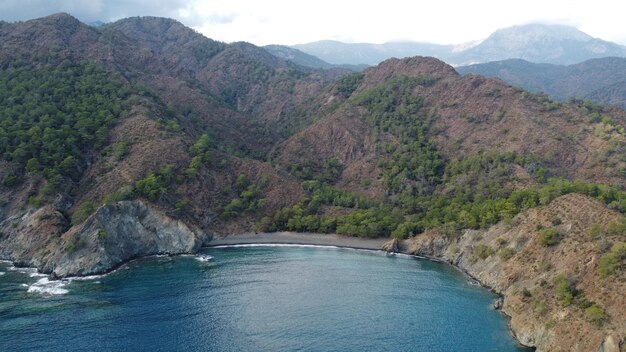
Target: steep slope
(600, 80)
(189, 114)
(473, 115)
(143, 137)
(554, 293)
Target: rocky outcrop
(510, 259)
(391, 246)
(113, 235)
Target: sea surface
(256, 298)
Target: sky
(289, 22)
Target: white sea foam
(275, 245)
(86, 278)
(204, 258)
(2, 273)
(24, 270)
(322, 246)
(37, 275)
(402, 255)
(378, 251)
(46, 286)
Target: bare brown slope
(473, 115)
(539, 317)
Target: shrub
(613, 261)
(120, 150)
(74, 243)
(121, 194)
(483, 251)
(506, 253)
(617, 227)
(10, 180)
(406, 229)
(180, 206)
(550, 324)
(548, 237)
(565, 291)
(82, 213)
(501, 241)
(596, 230)
(596, 315)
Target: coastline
(297, 238)
(312, 239)
(378, 244)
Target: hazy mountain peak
(536, 31)
(542, 43)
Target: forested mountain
(600, 80)
(145, 124)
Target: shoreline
(306, 239)
(334, 240)
(298, 238)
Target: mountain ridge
(539, 43)
(185, 138)
(600, 80)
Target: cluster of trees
(414, 167)
(307, 215)
(200, 155)
(155, 184)
(441, 210)
(614, 261)
(248, 200)
(568, 294)
(52, 114)
(346, 85)
(424, 190)
(326, 171)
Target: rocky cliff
(113, 235)
(510, 259)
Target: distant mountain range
(600, 80)
(540, 43)
(303, 59)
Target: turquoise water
(255, 299)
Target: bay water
(254, 298)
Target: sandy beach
(301, 238)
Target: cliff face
(110, 237)
(510, 259)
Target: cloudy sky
(290, 22)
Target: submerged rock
(497, 304)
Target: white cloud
(291, 22)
